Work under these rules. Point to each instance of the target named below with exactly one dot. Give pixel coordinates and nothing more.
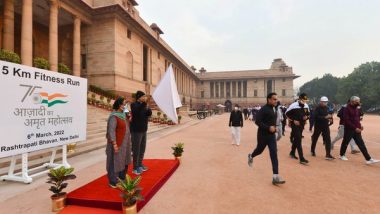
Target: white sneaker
(343, 158)
(372, 161)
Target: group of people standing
(126, 137)
(270, 116)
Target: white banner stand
(26, 175)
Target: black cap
(139, 94)
(304, 97)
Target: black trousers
(348, 134)
(270, 141)
(138, 148)
(296, 139)
(283, 126)
(325, 130)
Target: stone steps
(96, 132)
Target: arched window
(129, 61)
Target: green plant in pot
(131, 193)
(179, 119)
(178, 150)
(57, 178)
(158, 114)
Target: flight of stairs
(96, 139)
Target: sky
(312, 36)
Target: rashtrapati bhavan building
(107, 42)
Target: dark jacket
(351, 117)
(140, 113)
(296, 111)
(236, 119)
(266, 118)
(319, 116)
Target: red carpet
(98, 194)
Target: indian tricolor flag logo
(49, 99)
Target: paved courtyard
(214, 176)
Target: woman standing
(118, 148)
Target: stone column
(53, 35)
(27, 33)
(9, 22)
(76, 47)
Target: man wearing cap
(353, 129)
(322, 122)
(139, 126)
(297, 114)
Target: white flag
(166, 95)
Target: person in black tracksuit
(266, 135)
(298, 114)
(139, 125)
(322, 120)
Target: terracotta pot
(179, 159)
(58, 203)
(130, 210)
(71, 147)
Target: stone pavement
(214, 176)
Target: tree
(325, 86)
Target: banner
(40, 109)
(166, 95)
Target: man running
(266, 121)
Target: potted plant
(131, 193)
(57, 177)
(158, 114)
(177, 151)
(179, 119)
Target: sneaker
(250, 160)
(113, 186)
(293, 156)
(329, 157)
(372, 161)
(304, 161)
(343, 157)
(313, 154)
(355, 151)
(144, 168)
(277, 180)
(137, 171)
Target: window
(216, 89)
(234, 89)
(201, 82)
(255, 93)
(283, 92)
(202, 94)
(211, 89)
(84, 61)
(283, 80)
(228, 92)
(129, 34)
(245, 89)
(158, 55)
(239, 89)
(269, 86)
(222, 89)
(145, 63)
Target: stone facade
(107, 42)
(246, 88)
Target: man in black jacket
(322, 122)
(266, 121)
(236, 122)
(139, 126)
(297, 114)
